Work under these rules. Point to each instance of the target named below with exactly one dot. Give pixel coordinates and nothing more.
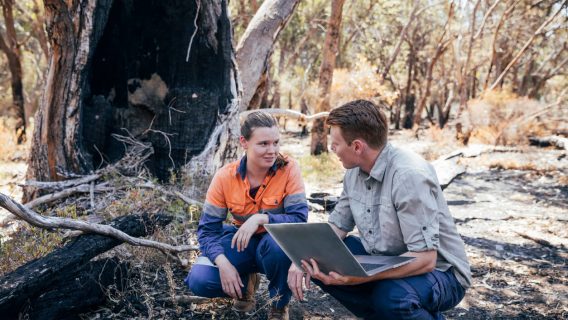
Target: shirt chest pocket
(236, 208)
(270, 202)
(365, 211)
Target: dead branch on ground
(65, 223)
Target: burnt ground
(511, 209)
(512, 212)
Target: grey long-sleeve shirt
(399, 207)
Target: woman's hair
(257, 119)
(261, 119)
(360, 119)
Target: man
(395, 200)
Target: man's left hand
(333, 278)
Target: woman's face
(263, 146)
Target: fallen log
(80, 291)
(447, 171)
(41, 275)
(556, 141)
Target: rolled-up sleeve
(210, 228)
(414, 195)
(295, 204)
(341, 216)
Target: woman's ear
(244, 142)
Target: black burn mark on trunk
(138, 75)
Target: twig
(194, 31)
(92, 195)
(542, 242)
(84, 188)
(150, 185)
(59, 185)
(65, 223)
(289, 114)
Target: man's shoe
(248, 302)
(278, 314)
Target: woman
(263, 187)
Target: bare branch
(289, 114)
(526, 46)
(59, 185)
(65, 223)
(84, 188)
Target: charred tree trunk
(80, 291)
(44, 274)
(160, 72)
(319, 132)
(9, 44)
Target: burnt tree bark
(11, 48)
(330, 49)
(160, 72)
(43, 275)
(80, 291)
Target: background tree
(11, 47)
(330, 50)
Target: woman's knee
(203, 281)
(271, 251)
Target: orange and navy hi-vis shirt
(281, 196)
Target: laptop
(302, 241)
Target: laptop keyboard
(371, 266)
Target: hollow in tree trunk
(160, 72)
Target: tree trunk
(255, 46)
(319, 132)
(11, 48)
(160, 72)
(44, 274)
(440, 49)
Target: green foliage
(27, 244)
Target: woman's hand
(333, 278)
(230, 278)
(247, 230)
(296, 278)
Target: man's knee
(202, 280)
(394, 299)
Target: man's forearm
(340, 233)
(425, 262)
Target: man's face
(344, 151)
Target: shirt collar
(242, 169)
(380, 166)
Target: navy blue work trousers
(261, 255)
(417, 297)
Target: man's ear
(244, 142)
(358, 146)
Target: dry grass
(325, 169)
(500, 117)
(360, 82)
(9, 150)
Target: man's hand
(230, 279)
(247, 230)
(333, 279)
(296, 278)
